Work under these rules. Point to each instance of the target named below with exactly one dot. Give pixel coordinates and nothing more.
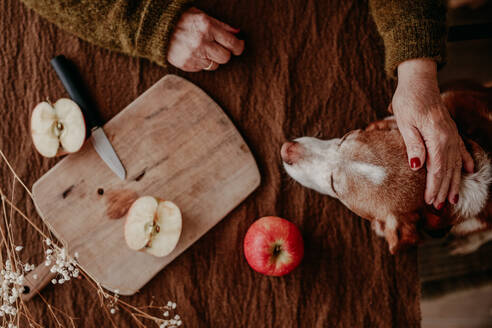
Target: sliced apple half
(167, 229)
(140, 222)
(153, 225)
(57, 129)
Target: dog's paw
(389, 123)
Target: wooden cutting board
(176, 144)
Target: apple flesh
(153, 225)
(273, 246)
(57, 129)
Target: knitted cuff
(158, 22)
(425, 40)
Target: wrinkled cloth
(409, 28)
(139, 28)
(309, 68)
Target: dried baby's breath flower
(12, 285)
(65, 266)
(172, 322)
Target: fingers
(228, 40)
(443, 171)
(415, 146)
(436, 166)
(468, 163)
(201, 42)
(463, 159)
(225, 26)
(454, 188)
(217, 53)
(200, 64)
(451, 166)
(212, 66)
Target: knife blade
(106, 151)
(72, 82)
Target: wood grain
(36, 280)
(176, 144)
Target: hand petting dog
(429, 133)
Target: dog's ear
(402, 232)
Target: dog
(368, 172)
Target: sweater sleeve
(138, 28)
(410, 29)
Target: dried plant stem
(10, 250)
(25, 313)
(15, 174)
(52, 313)
(103, 294)
(138, 314)
(22, 214)
(140, 323)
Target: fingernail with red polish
(440, 206)
(456, 199)
(415, 163)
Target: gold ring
(209, 66)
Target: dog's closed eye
(332, 184)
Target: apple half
(153, 225)
(57, 129)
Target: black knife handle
(72, 81)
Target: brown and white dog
(368, 171)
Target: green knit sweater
(409, 28)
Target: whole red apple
(273, 246)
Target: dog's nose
(290, 152)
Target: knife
(71, 80)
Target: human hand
(429, 131)
(201, 42)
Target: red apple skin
(260, 241)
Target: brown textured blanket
(310, 68)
